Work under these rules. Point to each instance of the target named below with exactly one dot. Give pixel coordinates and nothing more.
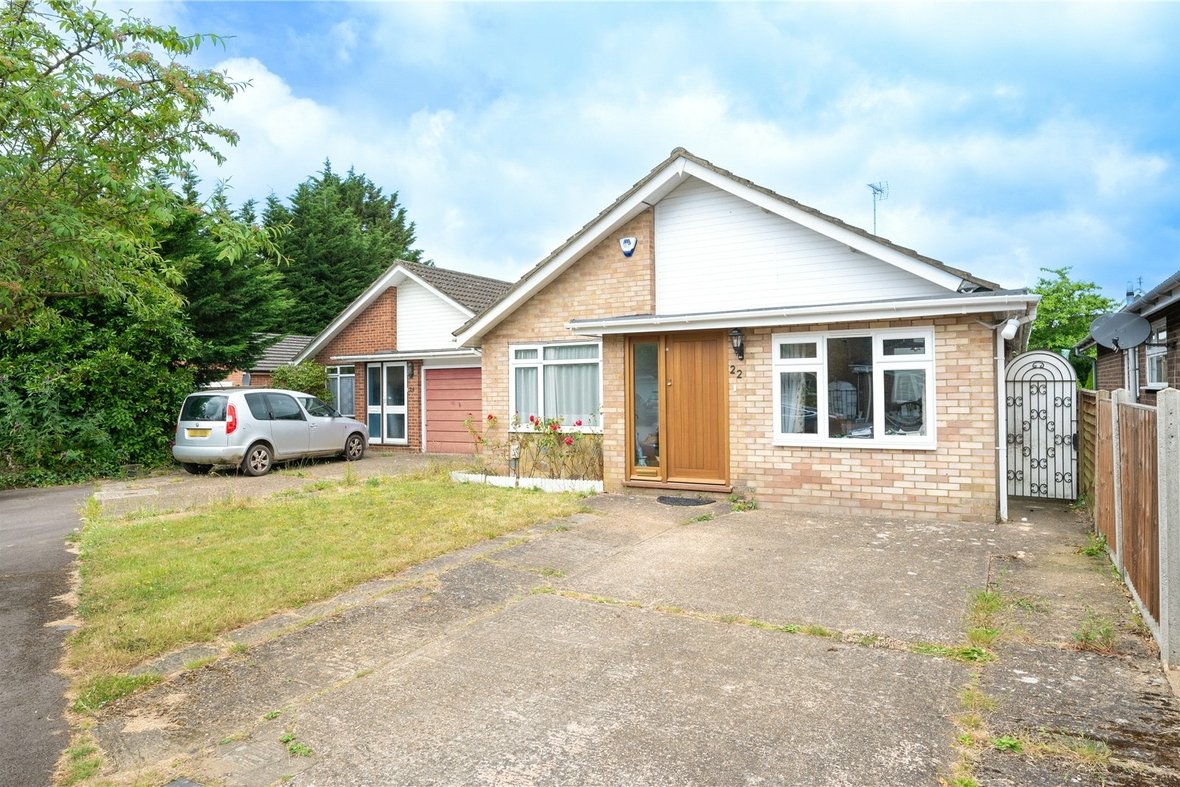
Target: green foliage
(344, 232)
(231, 301)
(87, 389)
(105, 689)
(91, 110)
(1096, 634)
(309, 377)
(1065, 312)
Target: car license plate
(196, 432)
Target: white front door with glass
(385, 403)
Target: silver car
(252, 428)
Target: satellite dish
(1120, 331)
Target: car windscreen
(203, 407)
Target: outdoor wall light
(1010, 329)
(738, 342)
(410, 371)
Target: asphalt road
(34, 568)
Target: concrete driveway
(647, 644)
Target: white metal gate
(1042, 426)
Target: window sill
(926, 444)
(1155, 386)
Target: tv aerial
(1120, 330)
(880, 192)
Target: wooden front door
(678, 409)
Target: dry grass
(150, 585)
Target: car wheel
(354, 447)
(258, 460)
(197, 469)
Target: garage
(451, 396)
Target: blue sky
(1013, 137)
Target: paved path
(34, 571)
(645, 644)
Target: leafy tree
(90, 110)
(1065, 312)
(343, 233)
(229, 304)
(309, 377)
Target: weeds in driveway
(294, 746)
(101, 690)
(82, 761)
(1095, 545)
(151, 585)
(1096, 634)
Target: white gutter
(844, 312)
(409, 355)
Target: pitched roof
(662, 179)
(1158, 298)
(476, 293)
(281, 352)
(467, 292)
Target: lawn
(151, 585)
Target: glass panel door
(645, 409)
(385, 402)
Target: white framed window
(1157, 355)
(562, 381)
(342, 386)
(854, 388)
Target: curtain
(571, 392)
(797, 402)
(526, 392)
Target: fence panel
(1104, 472)
(1087, 437)
(1140, 502)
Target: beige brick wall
(603, 283)
(957, 480)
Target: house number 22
(736, 372)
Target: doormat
(668, 500)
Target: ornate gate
(1042, 426)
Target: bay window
(854, 388)
(561, 381)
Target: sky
(1013, 137)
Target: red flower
(578, 422)
(532, 419)
(569, 441)
(491, 417)
(555, 426)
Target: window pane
(316, 407)
(257, 405)
(374, 426)
(373, 397)
(204, 408)
(526, 392)
(850, 387)
(905, 401)
(395, 426)
(797, 400)
(525, 355)
(345, 397)
(915, 345)
(797, 350)
(571, 352)
(284, 408)
(395, 386)
(646, 391)
(571, 393)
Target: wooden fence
(1131, 481)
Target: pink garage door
(451, 395)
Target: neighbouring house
(280, 352)
(719, 336)
(393, 361)
(1153, 365)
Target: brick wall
(375, 331)
(602, 283)
(957, 480)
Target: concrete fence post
(1117, 397)
(1167, 404)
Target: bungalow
(393, 362)
(721, 337)
(280, 351)
(1153, 365)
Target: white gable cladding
(716, 251)
(424, 321)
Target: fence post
(1167, 404)
(1117, 397)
